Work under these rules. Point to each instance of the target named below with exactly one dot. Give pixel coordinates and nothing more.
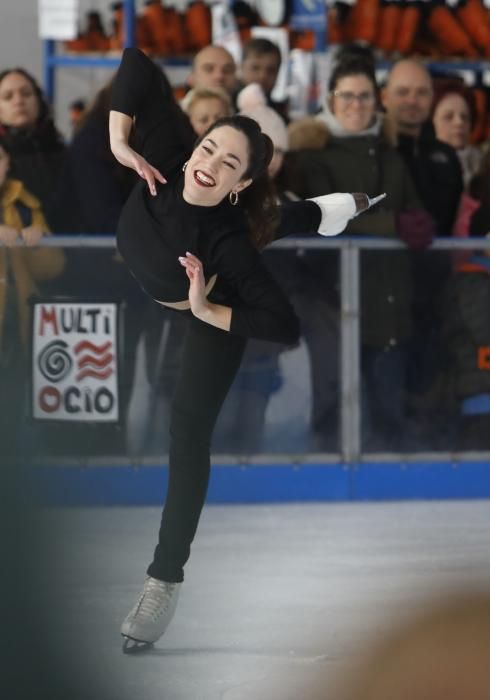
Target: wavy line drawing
(95, 361)
(95, 375)
(87, 345)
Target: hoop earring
(233, 197)
(184, 166)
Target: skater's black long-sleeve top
(154, 231)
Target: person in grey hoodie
(346, 146)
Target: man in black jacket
(437, 176)
(434, 165)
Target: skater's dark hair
(258, 199)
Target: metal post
(49, 52)
(350, 373)
(129, 23)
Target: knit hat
(252, 103)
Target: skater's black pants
(210, 360)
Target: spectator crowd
(425, 315)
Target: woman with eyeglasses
(190, 233)
(345, 147)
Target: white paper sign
(75, 362)
(224, 30)
(58, 19)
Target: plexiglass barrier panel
(285, 400)
(88, 362)
(99, 359)
(424, 351)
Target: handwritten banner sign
(75, 362)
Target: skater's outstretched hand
(128, 157)
(363, 202)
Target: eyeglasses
(364, 98)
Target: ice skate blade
(135, 646)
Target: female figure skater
(192, 240)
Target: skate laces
(155, 598)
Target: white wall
(20, 46)
(19, 43)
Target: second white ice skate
(151, 615)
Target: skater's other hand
(197, 286)
(362, 201)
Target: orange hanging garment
(363, 21)
(335, 26)
(474, 19)
(198, 25)
(407, 29)
(388, 24)
(450, 35)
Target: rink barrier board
(266, 483)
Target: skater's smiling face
(218, 166)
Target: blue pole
(129, 23)
(49, 85)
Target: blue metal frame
(266, 483)
(52, 60)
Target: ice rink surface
(277, 598)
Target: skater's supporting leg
(210, 361)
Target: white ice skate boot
(151, 615)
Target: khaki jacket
(27, 266)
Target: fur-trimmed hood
(314, 132)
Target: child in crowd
(204, 106)
(261, 61)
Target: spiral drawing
(54, 361)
